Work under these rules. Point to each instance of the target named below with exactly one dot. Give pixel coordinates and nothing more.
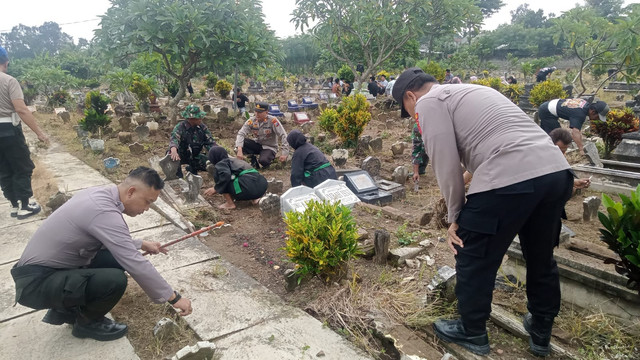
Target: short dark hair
(148, 176)
(372, 78)
(562, 135)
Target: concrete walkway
(241, 317)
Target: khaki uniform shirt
(266, 133)
(479, 127)
(9, 90)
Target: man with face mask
(75, 262)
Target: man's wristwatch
(175, 299)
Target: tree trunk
(180, 95)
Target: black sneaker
(14, 211)
(31, 209)
(453, 331)
(104, 329)
(539, 339)
(59, 317)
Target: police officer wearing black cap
(512, 193)
(266, 130)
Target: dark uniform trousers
(16, 166)
(548, 121)
(488, 223)
(91, 291)
(266, 156)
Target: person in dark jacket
(309, 166)
(235, 179)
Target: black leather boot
(539, 330)
(103, 329)
(453, 331)
(59, 317)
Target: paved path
(243, 318)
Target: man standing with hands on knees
(75, 262)
(512, 193)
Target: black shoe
(59, 317)
(104, 329)
(539, 334)
(254, 162)
(179, 173)
(453, 331)
(26, 211)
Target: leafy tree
(189, 35)
(606, 8)
(528, 18)
(301, 53)
(47, 80)
(29, 41)
(489, 7)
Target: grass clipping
(353, 310)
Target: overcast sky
(78, 18)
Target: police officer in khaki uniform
(266, 130)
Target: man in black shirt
(241, 101)
(576, 110)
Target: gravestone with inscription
(296, 198)
(335, 190)
(362, 184)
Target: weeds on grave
(94, 113)
(622, 234)
(406, 237)
(545, 91)
(321, 239)
(619, 122)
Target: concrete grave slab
(15, 238)
(187, 252)
(166, 210)
(224, 299)
(292, 335)
(63, 164)
(29, 338)
(6, 221)
(8, 296)
(148, 220)
(71, 183)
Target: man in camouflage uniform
(188, 139)
(266, 130)
(419, 157)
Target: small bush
(383, 72)
(59, 98)
(202, 92)
(432, 68)
(545, 91)
(321, 239)
(622, 234)
(353, 116)
(223, 88)
(346, 74)
(211, 80)
(406, 237)
(494, 83)
(328, 119)
(94, 114)
(141, 89)
(511, 91)
(619, 122)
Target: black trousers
(488, 223)
(548, 121)
(16, 167)
(252, 186)
(265, 156)
(91, 291)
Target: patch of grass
(406, 237)
(385, 135)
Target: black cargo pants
(16, 167)
(251, 147)
(488, 223)
(91, 291)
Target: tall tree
(301, 53)
(489, 7)
(606, 8)
(445, 18)
(189, 35)
(528, 18)
(30, 41)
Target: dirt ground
(397, 292)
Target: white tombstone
(296, 198)
(335, 190)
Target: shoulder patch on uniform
(249, 122)
(275, 122)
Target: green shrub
(432, 68)
(59, 98)
(211, 80)
(328, 119)
(492, 82)
(622, 234)
(321, 239)
(223, 88)
(511, 91)
(94, 114)
(346, 74)
(140, 88)
(619, 122)
(406, 237)
(545, 91)
(353, 116)
(173, 88)
(202, 92)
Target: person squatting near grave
(562, 139)
(188, 139)
(16, 166)
(266, 130)
(234, 179)
(74, 264)
(309, 166)
(541, 74)
(241, 101)
(512, 192)
(576, 110)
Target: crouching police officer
(266, 130)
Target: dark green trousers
(91, 291)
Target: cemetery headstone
(274, 186)
(322, 137)
(206, 108)
(201, 350)
(362, 184)
(590, 207)
(269, 205)
(195, 184)
(398, 256)
(223, 114)
(165, 328)
(376, 144)
(65, 116)
(396, 190)
(381, 240)
(340, 157)
(306, 127)
(81, 132)
(444, 280)
(400, 175)
(136, 148)
(125, 137)
(296, 198)
(397, 148)
(591, 151)
(334, 190)
(96, 145)
(125, 123)
(142, 131)
(111, 164)
(153, 126)
(57, 200)
(169, 167)
(371, 165)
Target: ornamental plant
(353, 116)
(511, 91)
(328, 119)
(321, 239)
(346, 74)
(59, 98)
(432, 68)
(619, 122)
(383, 72)
(94, 113)
(545, 91)
(223, 88)
(211, 80)
(622, 234)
